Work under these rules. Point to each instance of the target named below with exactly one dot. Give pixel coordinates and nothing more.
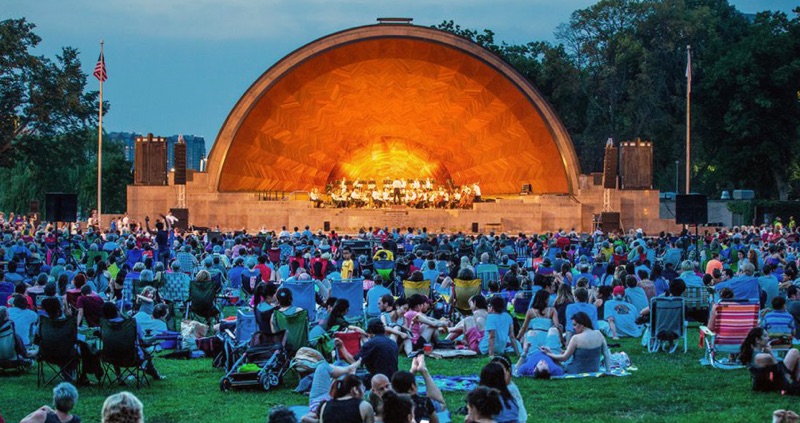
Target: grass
(666, 388)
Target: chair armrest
(706, 331)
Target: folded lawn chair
(351, 290)
(120, 353)
(667, 324)
(57, 350)
(732, 324)
(422, 287)
(203, 300)
(296, 325)
(462, 292)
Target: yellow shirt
(347, 269)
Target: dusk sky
(179, 66)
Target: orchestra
(412, 193)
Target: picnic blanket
(438, 353)
(449, 383)
(614, 372)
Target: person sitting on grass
(585, 348)
(472, 327)
(422, 327)
(768, 373)
(379, 354)
(65, 397)
(504, 361)
(347, 403)
(324, 376)
(281, 415)
(337, 318)
(493, 376)
(123, 407)
(483, 404)
(404, 382)
(538, 321)
(621, 315)
(779, 321)
(397, 408)
(581, 305)
(499, 329)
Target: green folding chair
(296, 325)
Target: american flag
(100, 69)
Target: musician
(428, 184)
(356, 199)
(476, 191)
(387, 196)
(377, 198)
(314, 196)
(397, 184)
(415, 185)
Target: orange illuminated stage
(382, 102)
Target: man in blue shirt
(374, 295)
(745, 286)
(581, 304)
(779, 321)
(688, 275)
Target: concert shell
(392, 100)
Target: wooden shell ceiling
(389, 101)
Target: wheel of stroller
(225, 384)
(274, 380)
(264, 381)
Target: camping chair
(732, 324)
(9, 360)
(384, 268)
(283, 272)
(698, 303)
(350, 340)
(422, 287)
(296, 325)
(57, 350)
(667, 324)
(202, 300)
(351, 290)
(487, 273)
(6, 291)
(120, 353)
(521, 303)
(133, 257)
(90, 256)
(286, 251)
(462, 292)
(303, 296)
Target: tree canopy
(48, 127)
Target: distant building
(195, 148)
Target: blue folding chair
(284, 272)
(487, 273)
(353, 291)
(303, 296)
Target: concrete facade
(533, 213)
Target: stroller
(262, 361)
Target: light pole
(677, 163)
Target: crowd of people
(576, 291)
(414, 193)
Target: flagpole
(100, 152)
(688, 115)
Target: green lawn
(665, 388)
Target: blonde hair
(123, 407)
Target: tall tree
(38, 96)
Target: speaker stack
(691, 209)
(61, 207)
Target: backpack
(306, 360)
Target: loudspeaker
(526, 189)
(475, 227)
(180, 162)
(61, 207)
(610, 165)
(183, 218)
(691, 209)
(326, 225)
(610, 221)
